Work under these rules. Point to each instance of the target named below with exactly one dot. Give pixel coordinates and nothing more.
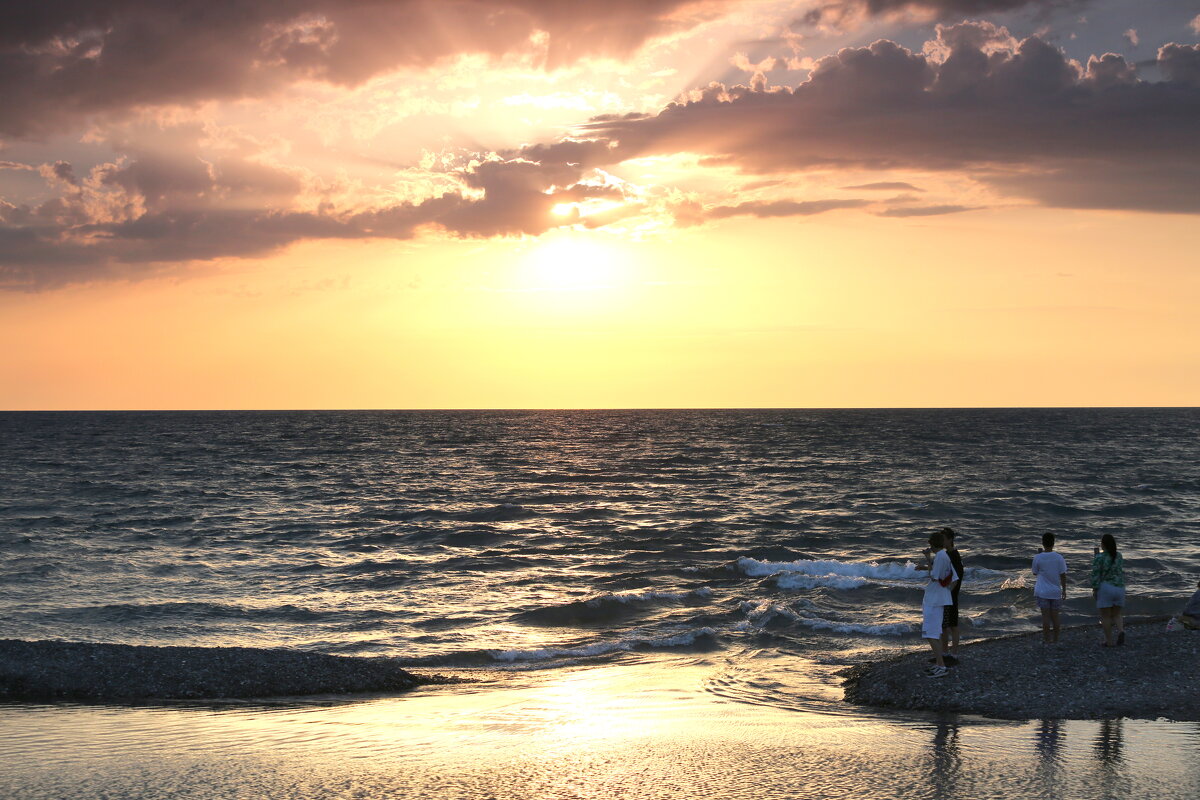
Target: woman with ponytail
(1108, 587)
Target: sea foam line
(853, 569)
(809, 574)
(631, 596)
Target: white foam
(763, 613)
(869, 570)
(601, 648)
(796, 581)
(648, 596)
(881, 629)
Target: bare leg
(953, 640)
(936, 646)
(1054, 621)
(1106, 619)
(1046, 612)
(1119, 621)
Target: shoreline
(82, 671)
(1154, 675)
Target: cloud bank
(1017, 117)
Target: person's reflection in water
(1111, 760)
(1049, 740)
(947, 761)
(1108, 743)
(1049, 749)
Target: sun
(575, 261)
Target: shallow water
(650, 728)
(689, 581)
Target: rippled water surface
(646, 729)
(764, 550)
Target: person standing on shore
(1108, 587)
(1050, 591)
(937, 596)
(950, 612)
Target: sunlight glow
(571, 261)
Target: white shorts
(931, 625)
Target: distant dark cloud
(926, 211)
(1021, 116)
(694, 213)
(781, 208)
(883, 186)
(842, 12)
(65, 59)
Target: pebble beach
(81, 671)
(1155, 675)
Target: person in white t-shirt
(937, 596)
(1051, 588)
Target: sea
(681, 587)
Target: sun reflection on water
(637, 727)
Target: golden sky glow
(453, 232)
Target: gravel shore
(50, 670)
(1154, 675)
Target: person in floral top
(1108, 587)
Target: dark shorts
(950, 616)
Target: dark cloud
(1169, 188)
(1019, 115)
(781, 208)
(884, 186)
(1180, 63)
(843, 12)
(127, 218)
(926, 211)
(65, 59)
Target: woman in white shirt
(1051, 588)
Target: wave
(774, 615)
(686, 639)
(812, 574)
(793, 580)
(608, 606)
(130, 612)
(869, 629)
(503, 512)
(825, 569)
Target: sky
(623, 204)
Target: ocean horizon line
(520, 409)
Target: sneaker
(936, 672)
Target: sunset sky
(651, 203)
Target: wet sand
(1154, 675)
